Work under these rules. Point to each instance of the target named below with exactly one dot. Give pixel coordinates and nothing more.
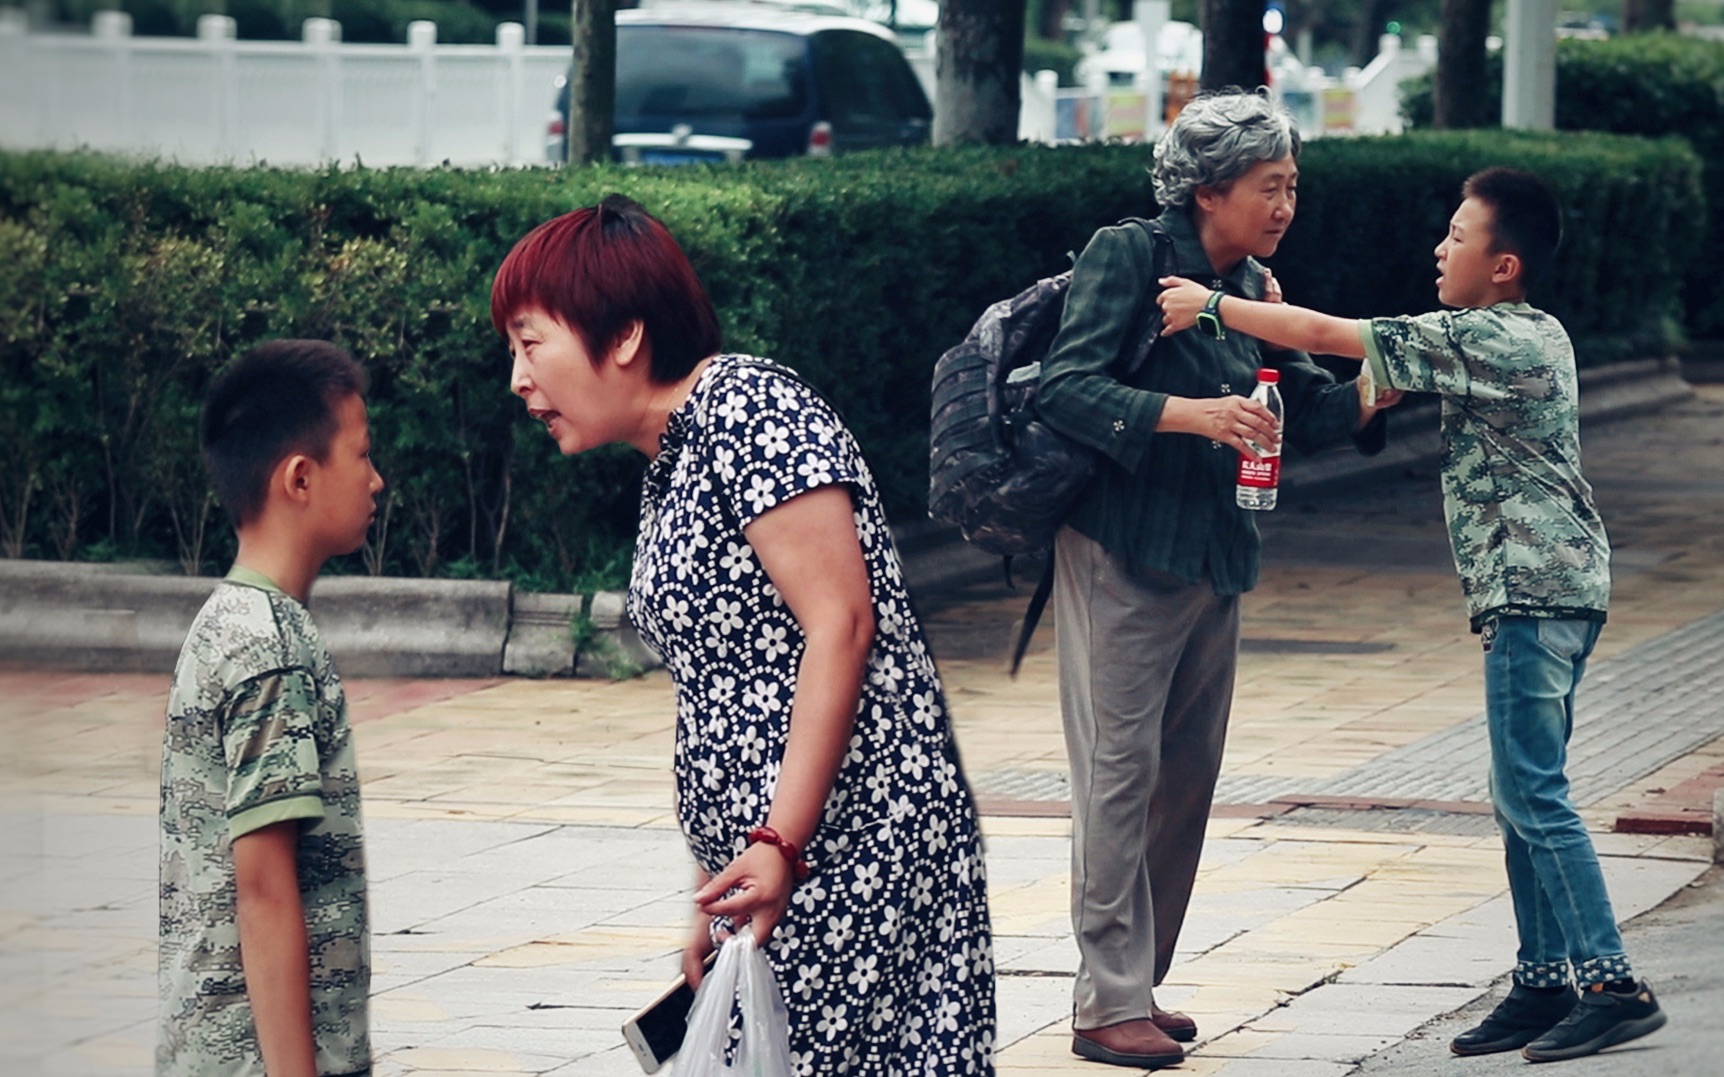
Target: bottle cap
(1269, 375)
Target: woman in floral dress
(817, 781)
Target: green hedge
(1643, 84)
(124, 286)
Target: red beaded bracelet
(792, 855)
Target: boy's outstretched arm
(1276, 323)
(273, 947)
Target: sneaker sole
(1627, 1030)
(1496, 1047)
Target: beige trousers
(1146, 682)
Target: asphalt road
(1678, 946)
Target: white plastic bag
(741, 975)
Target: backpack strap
(1147, 323)
(1033, 612)
(1145, 332)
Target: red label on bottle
(1264, 474)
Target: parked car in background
(715, 82)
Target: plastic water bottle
(1258, 479)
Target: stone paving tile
(1036, 955)
(1339, 1048)
(617, 1062)
(1635, 714)
(1378, 1010)
(1281, 1067)
(1028, 1004)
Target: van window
(694, 73)
(866, 80)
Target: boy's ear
(1507, 268)
(631, 344)
(293, 477)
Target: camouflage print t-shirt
(1527, 538)
(257, 733)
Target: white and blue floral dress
(884, 957)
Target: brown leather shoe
(1136, 1043)
(1175, 1024)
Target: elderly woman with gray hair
(1150, 567)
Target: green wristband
(1209, 318)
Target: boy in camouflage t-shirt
(264, 950)
(1535, 568)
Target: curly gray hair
(1216, 139)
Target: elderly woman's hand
(755, 887)
(1180, 301)
(1230, 420)
(1271, 287)
(1370, 403)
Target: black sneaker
(1601, 1019)
(1519, 1019)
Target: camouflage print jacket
(257, 734)
(1527, 538)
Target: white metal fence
(213, 99)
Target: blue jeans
(1565, 922)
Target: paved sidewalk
(1681, 950)
(530, 888)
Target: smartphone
(655, 1033)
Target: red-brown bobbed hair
(598, 270)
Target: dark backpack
(996, 471)
(1000, 474)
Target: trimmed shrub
(1643, 84)
(123, 286)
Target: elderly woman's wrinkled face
(1252, 215)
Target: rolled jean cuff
(1541, 974)
(1598, 970)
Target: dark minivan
(722, 82)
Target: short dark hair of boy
(1526, 219)
(277, 399)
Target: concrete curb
(104, 618)
(115, 619)
(543, 630)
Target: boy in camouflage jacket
(264, 953)
(1534, 564)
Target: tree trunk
(1461, 98)
(592, 81)
(1368, 30)
(1640, 16)
(977, 65)
(1301, 16)
(1232, 44)
(1053, 20)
